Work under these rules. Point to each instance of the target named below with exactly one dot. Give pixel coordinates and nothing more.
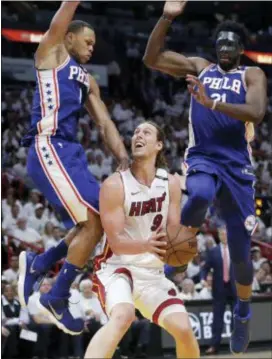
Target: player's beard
(231, 64)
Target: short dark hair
(77, 25)
(235, 27)
(161, 161)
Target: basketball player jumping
(137, 205)
(57, 162)
(227, 101)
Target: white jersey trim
(49, 102)
(61, 66)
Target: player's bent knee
(178, 325)
(202, 198)
(243, 272)
(123, 315)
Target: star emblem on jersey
(43, 149)
(49, 99)
(50, 163)
(46, 155)
(48, 92)
(50, 107)
(48, 85)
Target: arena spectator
(19, 168)
(11, 274)
(206, 291)
(39, 322)
(9, 202)
(26, 234)
(188, 290)
(10, 222)
(90, 304)
(38, 219)
(48, 238)
(257, 258)
(94, 316)
(264, 277)
(223, 286)
(193, 269)
(34, 199)
(10, 322)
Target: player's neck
(234, 67)
(144, 172)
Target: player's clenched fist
(173, 8)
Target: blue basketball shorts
(232, 189)
(59, 170)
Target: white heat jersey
(146, 209)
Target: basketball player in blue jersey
(57, 162)
(227, 101)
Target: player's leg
(79, 252)
(239, 246)
(120, 308)
(178, 325)
(104, 343)
(237, 206)
(61, 174)
(201, 189)
(29, 275)
(159, 302)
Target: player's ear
(159, 145)
(69, 37)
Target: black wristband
(164, 17)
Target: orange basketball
(181, 247)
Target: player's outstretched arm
(111, 203)
(97, 109)
(169, 62)
(256, 99)
(58, 28)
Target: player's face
(82, 45)
(228, 50)
(144, 142)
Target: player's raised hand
(197, 90)
(173, 8)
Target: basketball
(181, 247)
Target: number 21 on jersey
(219, 97)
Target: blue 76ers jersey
(213, 134)
(59, 96)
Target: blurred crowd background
(132, 94)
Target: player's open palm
(173, 8)
(197, 90)
(157, 243)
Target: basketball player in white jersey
(137, 206)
